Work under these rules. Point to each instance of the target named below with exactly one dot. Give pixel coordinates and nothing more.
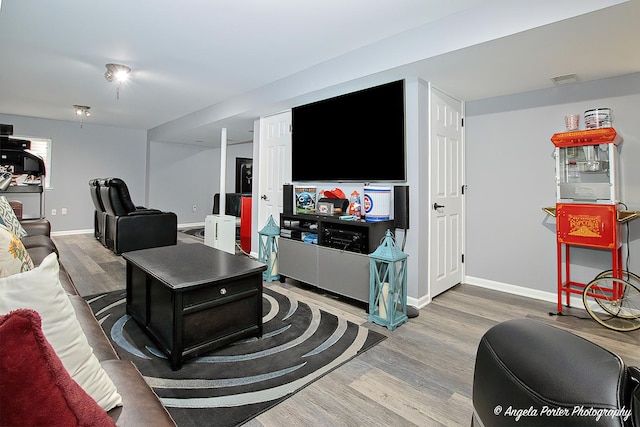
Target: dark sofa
(141, 406)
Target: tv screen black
(357, 137)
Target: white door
(275, 165)
(446, 180)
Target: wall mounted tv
(357, 137)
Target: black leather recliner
(528, 373)
(232, 204)
(100, 214)
(129, 227)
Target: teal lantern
(268, 250)
(388, 284)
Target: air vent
(564, 79)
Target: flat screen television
(357, 137)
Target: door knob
(437, 206)
(264, 197)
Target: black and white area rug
(231, 385)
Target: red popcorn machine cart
(587, 200)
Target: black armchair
(129, 227)
(233, 202)
(530, 373)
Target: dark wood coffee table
(191, 298)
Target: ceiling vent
(564, 79)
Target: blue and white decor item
(388, 284)
(377, 203)
(268, 249)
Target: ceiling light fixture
(119, 73)
(82, 111)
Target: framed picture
(325, 208)
(305, 199)
(244, 174)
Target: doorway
(446, 189)
(275, 165)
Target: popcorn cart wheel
(614, 302)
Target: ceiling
(202, 65)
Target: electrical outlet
(63, 211)
(54, 212)
(194, 208)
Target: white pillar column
(223, 171)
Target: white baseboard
(576, 301)
(71, 232)
(418, 302)
(191, 225)
(90, 230)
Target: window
(42, 147)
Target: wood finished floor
(421, 375)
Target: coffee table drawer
(213, 292)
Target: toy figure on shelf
(355, 207)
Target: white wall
(417, 240)
(510, 175)
(179, 175)
(78, 155)
(182, 175)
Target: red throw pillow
(35, 388)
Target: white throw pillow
(9, 219)
(14, 258)
(40, 290)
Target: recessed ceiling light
(564, 79)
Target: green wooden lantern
(388, 284)
(268, 250)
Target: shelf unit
(16, 189)
(339, 261)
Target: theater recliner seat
(129, 227)
(528, 373)
(100, 214)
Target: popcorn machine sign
(585, 225)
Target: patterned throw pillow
(9, 219)
(14, 258)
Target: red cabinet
(589, 225)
